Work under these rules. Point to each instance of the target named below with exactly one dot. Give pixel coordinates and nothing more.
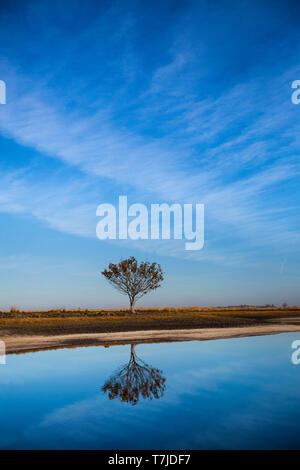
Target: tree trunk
(132, 352)
(132, 305)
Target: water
(224, 394)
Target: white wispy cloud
(201, 155)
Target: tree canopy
(135, 380)
(134, 279)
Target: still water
(224, 394)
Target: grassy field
(63, 321)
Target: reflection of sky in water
(233, 393)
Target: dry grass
(64, 321)
(15, 312)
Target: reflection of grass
(62, 321)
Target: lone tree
(134, 381)
(134, 279)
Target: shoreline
(17, 344)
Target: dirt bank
(19, 344)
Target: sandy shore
(19, 344)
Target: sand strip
(18, 344)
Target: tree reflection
(135, 380)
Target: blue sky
(169, 101)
